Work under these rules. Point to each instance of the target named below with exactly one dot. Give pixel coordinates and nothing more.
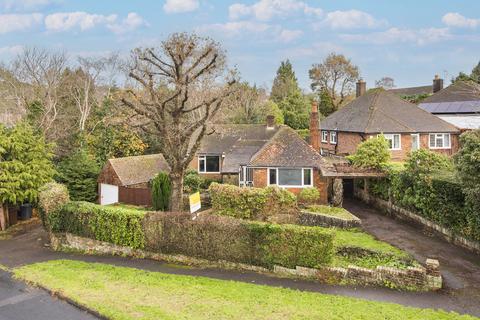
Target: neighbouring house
(412, 93)
(127, 179)
(406, 126)
(458, 104)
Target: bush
(161, 191)
(372, 154)
(251, 203)
(110, 224)
(192, 182)
(309, 196)
(223, 238)
(51, 197)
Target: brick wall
(347, 143)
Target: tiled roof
(460, 97)
(138, 169)
(383, 111)
(413, 91)
(287, 149)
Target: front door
(415, 141)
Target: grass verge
(126, 293)
(331, 211)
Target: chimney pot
(437, 84)
(361, 88)
(270, 121)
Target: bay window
(209, 164)
(439, 141)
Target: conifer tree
(285, 82)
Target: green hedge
(251, 203)
(110, 224)
(215, 237)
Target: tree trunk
(176, 198)
(3, 217)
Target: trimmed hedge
(223, 238)
(251, 203)
(308, 196)
(116, 225)
(51, 197)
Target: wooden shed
(126, 180)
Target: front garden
(127, 293)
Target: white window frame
(204, 158)
(418, 141)
(325, 136)
(291, 186)
(333, 137)
(437, 135)
(391, 136)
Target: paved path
(30, 247)
(21, 302)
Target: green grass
(130, 206)
(126, 293)
(4, 268)
(331, 211)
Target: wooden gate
(135, 196)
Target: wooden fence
(135, 196)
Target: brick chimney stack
(361, 87)
(437, 83)
(314, 127)
(270, 121)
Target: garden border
(389, 208)
(307, 218)
(413, 278)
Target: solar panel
(452, 107)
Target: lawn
(126, 293)
(331, 211)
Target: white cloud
(175, 6)
(238, 29)
(25, 5)
(11, 50)
(265, 10)
(396, 35)
(132, 22)
(314, 50)
(351, 19)
(454, 19)
(19, 22)
(65, 21)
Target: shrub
(372, 154)
(104, 223)
(192, 182)
(251, 203)
(161, 190)
(223, 238)
(423, 161)
(309, 196)
(51, 197)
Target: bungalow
(406, 126)
(458, 104)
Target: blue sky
(410, 41)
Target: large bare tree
(180, 86)
(336, 75)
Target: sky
(409, 41)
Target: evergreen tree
(476, 73)
(295, 108)
(325, 105)
(161, 190)
(285, 82)
(79, 172)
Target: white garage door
(108, 194)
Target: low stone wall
(401, 213)
(417, 279)
(307, 218)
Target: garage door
(108, 194)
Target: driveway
(31, 247)
(460, 268)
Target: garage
(108, 194)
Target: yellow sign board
(195, 203)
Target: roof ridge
(370, 116)
(268, 142)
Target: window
(394, 142)
(333, 137)
(439, 140)
(324, 136)
(209, 164)
(301, 177)
(272, 176)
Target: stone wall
(401, 213)
(424, 279)
(317, 219)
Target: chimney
(437, 83)
(314, 127)
(270, 121)
(361, 87)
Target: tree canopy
(372, 153)
(285, 82)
